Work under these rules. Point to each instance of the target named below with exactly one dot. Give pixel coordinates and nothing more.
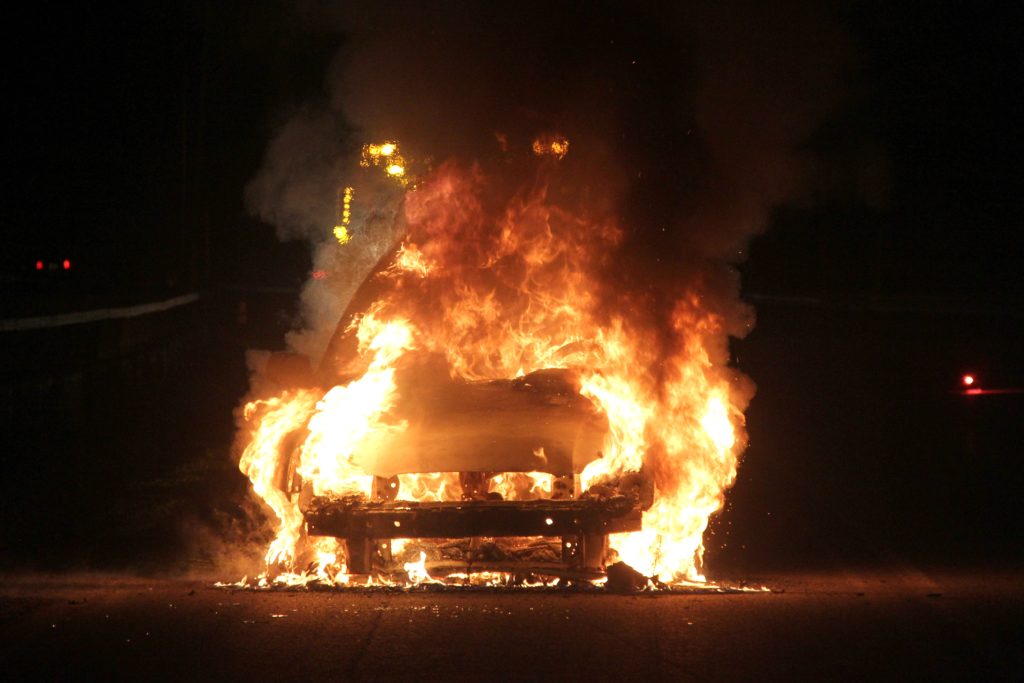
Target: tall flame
(276, 420)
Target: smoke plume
(684, 120)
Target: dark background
(135, 130)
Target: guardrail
(78, 318)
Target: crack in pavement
(364, 645)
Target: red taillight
(40, 265)
(67, 264)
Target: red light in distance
(40, 265)
(968, 380)
(67, 264)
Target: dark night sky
(135, 130)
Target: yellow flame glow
(341, 233)
(556, 146)
(388, 156)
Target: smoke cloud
(685, 123)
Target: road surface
(896, 624)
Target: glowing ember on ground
(489, 291)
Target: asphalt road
(858, 625)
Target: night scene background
(888, 268)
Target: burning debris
(624, 579)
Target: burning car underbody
(483, 415)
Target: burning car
(477, 408)
(501, 458)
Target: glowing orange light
(388, 157)
(556, 146)
(67, 264)
(968, 380)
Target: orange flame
(276, 420)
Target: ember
(476, 389)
